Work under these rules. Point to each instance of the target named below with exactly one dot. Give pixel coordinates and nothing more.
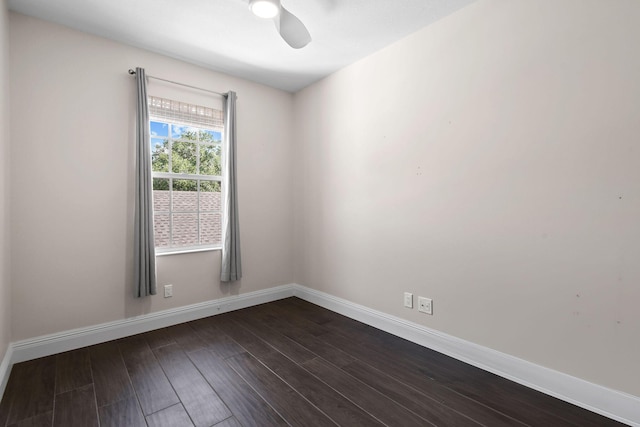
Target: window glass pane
(210, 136)
(183, 157)
(161, 197)
(176, 131)
(210, 196)
(160, 155)
(160, 184)
(161, 228)
(184, 132)
(185, 195)
(159, 129)
(185, 229)
(210, 228)
(210, 186)
(210, 160)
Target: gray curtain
(231, 268)
(144, 246)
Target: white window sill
(181, 251)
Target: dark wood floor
(286, 363)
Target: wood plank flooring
(286, 363)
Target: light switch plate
(408, 299)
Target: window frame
(198, 178)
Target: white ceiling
(224, 35)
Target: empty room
(319, 213)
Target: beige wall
(5, 285)
(72, 156)
(490, 162)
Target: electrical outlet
(168, 291)
(425, 305)
(408, 299)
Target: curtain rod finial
(132, 72)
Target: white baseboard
(610, 403)
(605, 401)
(82, 337)
(5, 369)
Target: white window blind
(181, 112)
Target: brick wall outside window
(185, 218)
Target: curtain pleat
(144, 246)
(231, 266)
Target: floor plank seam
(257, 392)
(354, 403)
(288, 385)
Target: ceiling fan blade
(292, 29)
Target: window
(186, 150)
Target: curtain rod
(133, 72)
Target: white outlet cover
(425, 305)
(168, 291)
